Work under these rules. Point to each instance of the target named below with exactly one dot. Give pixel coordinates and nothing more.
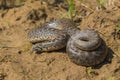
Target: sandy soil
(18, 62)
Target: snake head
(36, 49)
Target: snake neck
(72, 31)
(69, 26)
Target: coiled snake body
(83, 47)
(51, 35)
(86, 48)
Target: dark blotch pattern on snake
(86, 48)
(52, 35)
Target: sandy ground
(18, 62)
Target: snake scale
(84, 47)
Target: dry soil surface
(18, 62)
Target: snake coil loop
(86, 48)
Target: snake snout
(36, 49)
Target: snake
(86, 48)
(52, 35)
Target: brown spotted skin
(84, 57)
